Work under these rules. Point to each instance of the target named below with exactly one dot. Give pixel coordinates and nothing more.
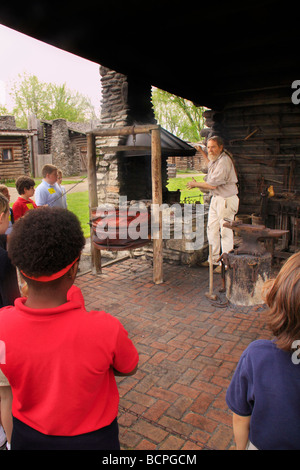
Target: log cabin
(14, 149)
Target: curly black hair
(45, 240)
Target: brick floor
(188, 348)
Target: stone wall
(63, 151)
(7, 122)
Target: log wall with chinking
(19, 165)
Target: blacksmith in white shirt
(221, 181)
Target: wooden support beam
(124, 148)
(157, 201)
(127, 130)
(93, 198)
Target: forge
(124, 169)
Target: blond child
(7, 293)
(4, 190)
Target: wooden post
(156, 203)
(32, 125)
(93, 198)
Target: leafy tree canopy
(178, 115)
(48, 101)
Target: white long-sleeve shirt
(221, 173)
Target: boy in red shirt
(24, 203)
(60, 360)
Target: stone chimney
(125, 101)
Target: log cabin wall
(19, 164)
(45, 137)
(14, 151)
(261, 129)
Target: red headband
(54, 276)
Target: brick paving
(188, 348)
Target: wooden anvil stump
(249, 265)
(245, 277)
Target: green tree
(3, 110)
(48, 101)
(178, 115)
(70, 106)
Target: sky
(20, 53)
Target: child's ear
(73, 270)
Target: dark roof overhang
(171, 146)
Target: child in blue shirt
(264, 392)
(48, 192)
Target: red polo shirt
(21, 206)
(59, 363)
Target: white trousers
(219, 236)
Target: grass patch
(78, 203)
(186, 195)
(187, 170)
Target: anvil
(251, 235)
